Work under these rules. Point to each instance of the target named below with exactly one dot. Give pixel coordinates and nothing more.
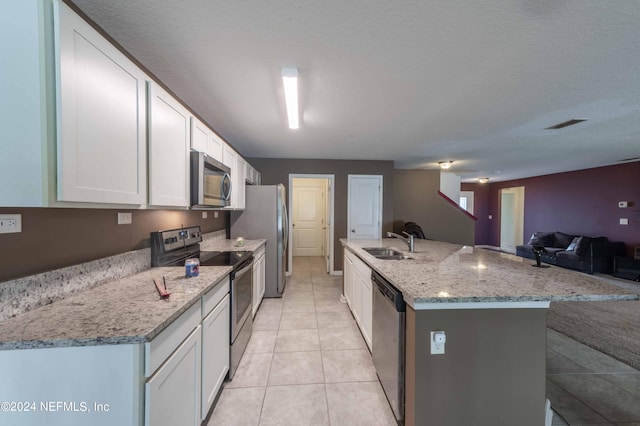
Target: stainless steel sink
(385, 253)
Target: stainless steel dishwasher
(388, 341)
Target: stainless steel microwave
(210, 182)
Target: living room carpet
(612, 328)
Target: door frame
(330, 200)
(380, 215)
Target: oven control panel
(164, 242)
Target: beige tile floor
(307, 364)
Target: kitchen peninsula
(492, 307)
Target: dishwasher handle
(389, 292)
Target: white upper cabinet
(229, 157)
(216, 147)
(205, 140)
(169, 143)
(239, 177)
(101, 117)
(199, 136)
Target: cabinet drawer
(159, 349)
(211, 298)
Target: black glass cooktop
(224, 258)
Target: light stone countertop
(231, 245)
(121, 311)
(125, 311)
(441, 273)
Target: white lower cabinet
(359, 294)
(172, 394)
(215, 352)
(258, 279)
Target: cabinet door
(258, 280)
(262, 275)
(216, 147)
(367, 310)
(241, 165)
(172, 394)
(101, 117)
(215, 353)
(199, 136)
(356, 302)
(348, 280)
(169, 142)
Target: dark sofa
(586, 254)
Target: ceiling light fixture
(290, 83)
(444, 165)
(483, 180)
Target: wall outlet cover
(124, 218)
(624, 221)
(622, 204)
(438, 340)
(10, 223)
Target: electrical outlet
(624, 221)
(124, 218)
(10, 223)
(623, 204)
(204, 215)
(438, 340)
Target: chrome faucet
(408, 240)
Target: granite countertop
(231, 245)
(441, 272)
(125, 311)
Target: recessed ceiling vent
(567, 123)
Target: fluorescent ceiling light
(290, 83)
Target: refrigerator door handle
(285, 228)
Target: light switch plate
(622, 204)
(215, 215)
(204, 215)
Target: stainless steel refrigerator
(265, 217)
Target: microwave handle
(226, 183)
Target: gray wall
(276, 171)
(492, 372)
(55, 238)
(416, 199)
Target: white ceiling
(416, 81)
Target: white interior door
(511, 218)
(365, 207)
(308, 217)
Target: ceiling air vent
(567, 123)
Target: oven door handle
(241, 272)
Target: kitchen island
(492, 307)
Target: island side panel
(493, 371)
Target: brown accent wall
(416, 199)
(492, 372)
(276, 170)
(55, 238)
